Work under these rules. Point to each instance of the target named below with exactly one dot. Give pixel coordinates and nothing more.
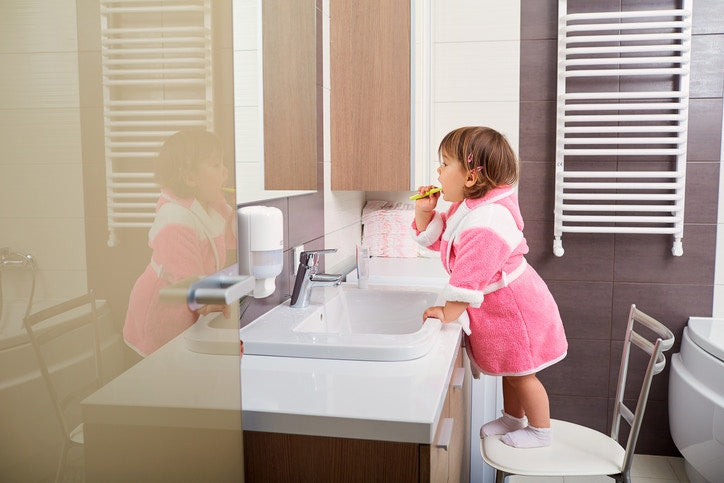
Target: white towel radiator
(156, 59)
(621, 151)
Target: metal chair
(45, 330)
(577, 450)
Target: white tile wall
(36, 135)
(475, 74)
(246, 93)
(41, 187)
(36, 26)
(475, 71)
(244, 15)
(473, 20)
(500, 115)
(27, 190)
(39, 79)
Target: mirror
(275, 101)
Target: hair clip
(470, 158)
(476, 170)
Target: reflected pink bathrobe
(515, 326)
(187, 240)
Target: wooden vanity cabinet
(448, 458)
(271, 457)
(370, 109)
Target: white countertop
(418, 272)
(172, 387)
(393, 401)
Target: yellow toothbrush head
(426, 194)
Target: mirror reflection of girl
(193, 229)
(515, 329)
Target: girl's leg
(513, 417)
(511, 403)
(533, 398)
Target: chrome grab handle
(222, 287)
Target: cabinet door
(290, 95)
(451, 463)
(459, 395)
(439, 455)
(370, 94)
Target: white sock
(503, 425)
(528, 437)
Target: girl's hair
(180, 154)
(484, 151)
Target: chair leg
(500, 476)
(622, 477)
(61, 463)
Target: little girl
(515, 327)
(193, 229)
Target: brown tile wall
(601, 275)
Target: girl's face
(453, 179)
(207, 179)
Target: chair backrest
(58, 324)
(663, 340)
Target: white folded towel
(386, 229)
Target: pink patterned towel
(386, 229)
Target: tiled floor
(645, 469)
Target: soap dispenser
(261, 241)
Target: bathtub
(31, 438)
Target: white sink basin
(347, 323)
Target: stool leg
(61, 463)
(500, 476)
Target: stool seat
(575, 450)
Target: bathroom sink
(347, 323)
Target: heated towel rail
(620, 145)
(156, 62)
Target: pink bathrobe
(187, 240)
(515, 326)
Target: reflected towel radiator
(156, 59)
(620, 145)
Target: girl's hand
(452, 310)
(207, 309)
(435, 312)
(427, 203)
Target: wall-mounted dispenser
(261, 241)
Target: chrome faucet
(9, 258)
(308, 278)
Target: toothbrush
(427, 193)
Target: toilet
(696, 399)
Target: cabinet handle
(458, 377)
(446, 429)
